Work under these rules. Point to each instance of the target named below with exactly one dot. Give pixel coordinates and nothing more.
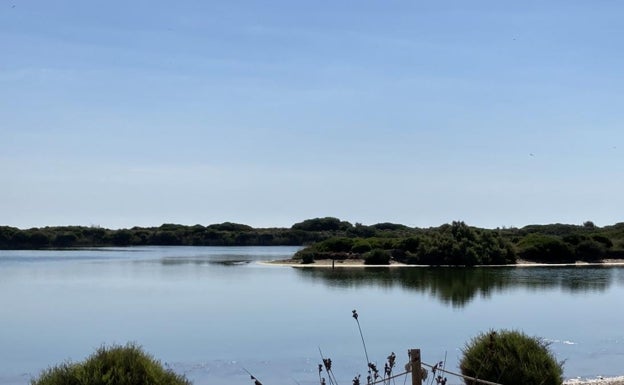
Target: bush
(336, 245)
(307, 258)
(377, 257)
(590, 250)
(410, 244)
(545, 248)
(604, 240)
(510, 358)
(117, 365)
(322, 224)
(361, 246)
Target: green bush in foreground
(117, 365)
(510, 358)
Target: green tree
(322, 224)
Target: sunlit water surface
(211, 312)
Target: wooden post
(414, 355)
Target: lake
(211, 312)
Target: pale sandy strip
(360, 263)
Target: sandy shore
(360, 263)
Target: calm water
(209, 312)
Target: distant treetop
(322, 224)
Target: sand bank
(360, 263)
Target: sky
(267, 113)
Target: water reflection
(223, 260)
(458, 286)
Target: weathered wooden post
(414, 355)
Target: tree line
(224, 234)
(460, 244)
(450, 244)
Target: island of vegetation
(330, 238)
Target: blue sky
(271, 112)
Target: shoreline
(325, 263)
(619, 380)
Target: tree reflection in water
(458, 286)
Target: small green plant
(510, 358)
(115, 365)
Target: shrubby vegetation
(322, 224)
(454, 244)
(450, 244)
(224, 234)
(510, 358)
(459, 244)
(117, 365)
(377, 257)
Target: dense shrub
(510, 358)
(306, 257)
(389, 226)
(229, 226)
(65, 240)
(590, 250)
(382, 243)
(604, 240)
(377, 257)
(121, 237)
(459, 244)
(574, 239)
(322, 224)
(361, 246)
(166, 237)
(117, 365)
(336, 245)
(359, 230)
(39, 239)
(545, 248)
(410, 244)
